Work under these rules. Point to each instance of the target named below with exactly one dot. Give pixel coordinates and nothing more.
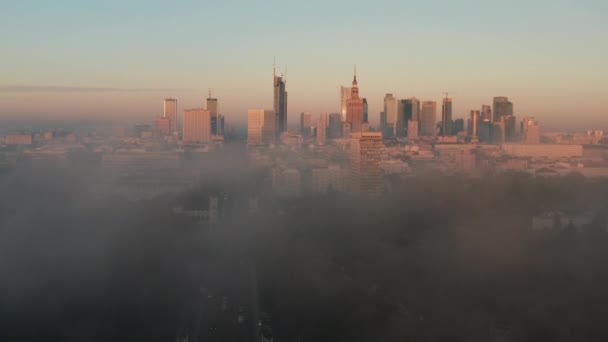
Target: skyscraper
(365, 157)
(501, 107)
(428, 118)
(365, 111)
(260, 126)
(255, 122)
(474, 123)
(170, 112)
(446, 117)
(305, 123)
(335, 125)
(280, 104)
(322, 129)
(344, 97)
(354, 108)
(390, 110)
(486, 113)
(212, 107)
(412, 112)
(196, 126)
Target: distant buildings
(354, 108)
(322, 129)
(365, 157)
(257, 133)
(446, 117)
(196, 126)
(162, 126)
(428, 118)
(501, 107)
(390, 110)
(486, 113)
(530, 131)
(286, 181)
(473, 123)
(344, 97)
(305, 123)
(280, 105)
(18, 139)
(170, 112)
(412, 128)
(365, 111)
(216, 119)
(335, 125)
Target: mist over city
(312, 171)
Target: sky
(118, 60)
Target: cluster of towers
(199, 125)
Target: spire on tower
(355, 78)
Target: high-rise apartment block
(366, 150)
(196, 126)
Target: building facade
(366, 156)
(196, 126)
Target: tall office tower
(365, 157)
(502, 107)
(390, 110)
(170, 112)
(402, 119)
(458, 126)
(269, 127)
(428, 119)
(530, 131)
(446, 117)
(196, 126)
(412, 129)
(344, 97)
(412, 112)
(509, 125)
(305, 123)
(486, 113)
(322, 129)
(212, 107)
(280, 104)
(365, 111)
(474, 123)
(335, 125)
(255, 123)
(354, 107)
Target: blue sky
(121, 58)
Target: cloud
(77, 89)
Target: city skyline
(98, 73)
